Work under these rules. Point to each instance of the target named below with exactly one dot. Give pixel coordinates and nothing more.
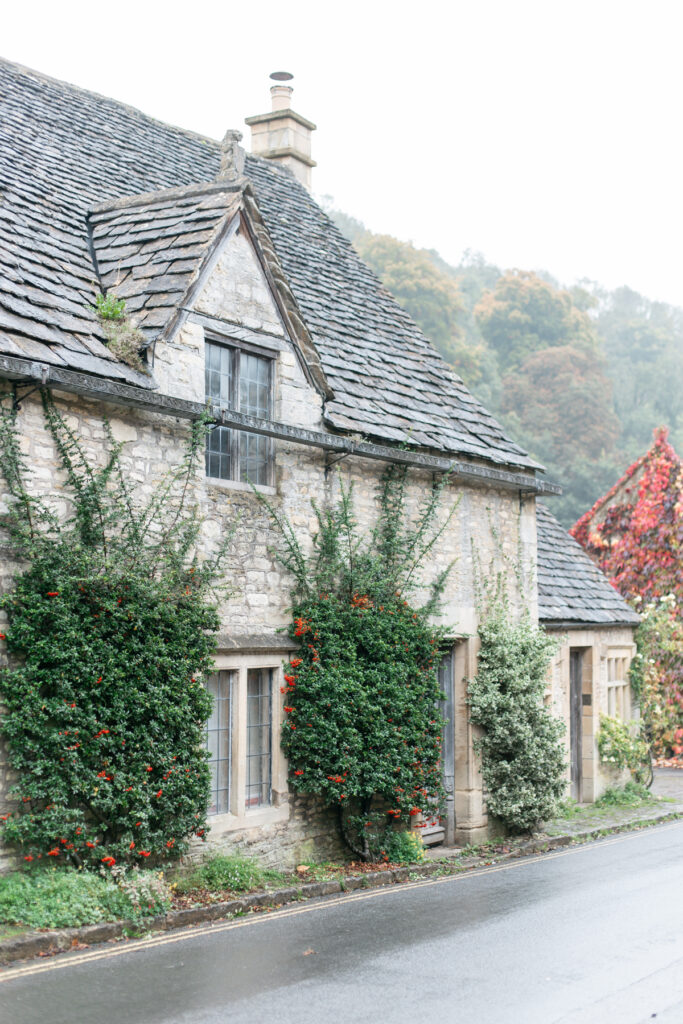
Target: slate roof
(571, 588)
(65, 151)
(149, 250)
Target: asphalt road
(589, 935)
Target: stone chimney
(283, 135)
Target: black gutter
(88, 386)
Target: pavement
(667, 787)
(587, 934)
(586, 825)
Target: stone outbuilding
(590, 673)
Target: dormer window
(242, 380)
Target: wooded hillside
(580, 376)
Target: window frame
(224, 678)
(238, 815)
(618, 683)
(236, 447)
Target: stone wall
(492, 530)
(310, 833)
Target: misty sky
(543, 134)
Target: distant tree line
(581, 376)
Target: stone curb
(35, 944)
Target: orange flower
(299, 771)
(91, 845)
(288, 709)
(53, 593)
(295, 662)
(29, 857)
(53, 853)
(145, 853)
(109, 861)
(159, 793)
(132, 846)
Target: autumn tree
(643, 346)
(524, 314)
(430, 296)
(558, 405)
(635, 534)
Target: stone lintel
(246, 643)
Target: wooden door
(575, 726)
(447, 684)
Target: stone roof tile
(65, 152)
(571, 588)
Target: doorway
(576, 656)
(447, 685)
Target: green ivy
(621, 748)
(523, 760)
(363, 727)
(111, 630)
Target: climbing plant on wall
(638, 538)
(657, 674)
(362, 728)
(110, 630)
(523, 758)
(635, 534)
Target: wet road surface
(584, 936)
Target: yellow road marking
(9, 974)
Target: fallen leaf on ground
(308, 952)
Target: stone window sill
(222, 823)
(238, 485)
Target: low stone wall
(310, 834)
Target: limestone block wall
(492, 530)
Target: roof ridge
(163, 194)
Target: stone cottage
(589, 675)
(249, 299)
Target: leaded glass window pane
(254, 401)
(219, 740)
(219, 453)
(219, 390)
(219, 370)
(259, 759)
(239, 380)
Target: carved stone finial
(232, 156)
